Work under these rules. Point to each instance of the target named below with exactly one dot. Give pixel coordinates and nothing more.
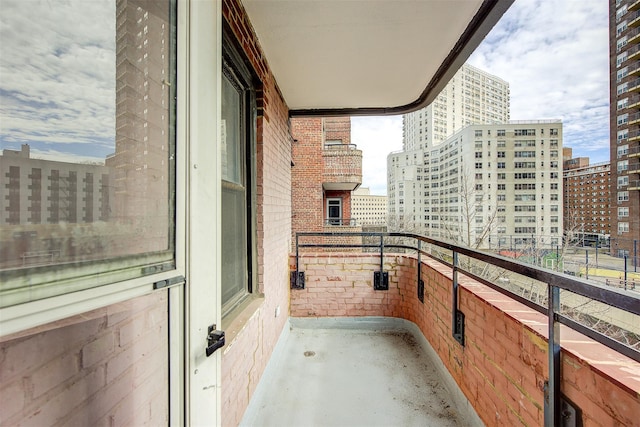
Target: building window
(623, 227)
(334, 211)
(623, 196)
(95, 215)
(623, 212)
(238, 183)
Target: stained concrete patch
(351, 377)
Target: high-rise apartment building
(367, 208)
(587, 200)
(485, 186)
(472, 96)
(624, 66)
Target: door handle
(215, 340)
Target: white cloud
(555, 56)
(58, 71)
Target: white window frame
(30, 314)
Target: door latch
(215, 339)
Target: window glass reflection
(86, 138)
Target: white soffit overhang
(368, 57)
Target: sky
(58, 94)
(555, 56)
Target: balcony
(634, 6)
(634, 135)
(633, 52)
(633, 20)
(342, 167)
(359, 372)
(634, 86)
(513, 350)
(634, 185)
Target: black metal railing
(345, 222)
(618, 298)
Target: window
(500, 132)
(623, 227)
(524, 154)
(623, 212)
(524, 186)
(623, 150)
(334, 211)
(501, 154)
(502, 175)
(501, 165)
(623, 196)
(238, 180)
(623, 181)
(623, 135)
(93, 214)
(501, 186)
(478, 133)
(623, 165)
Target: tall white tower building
(485, 186)
(471, 97)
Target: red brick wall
(338, 128)
(306, 175)
(106, 367)
(503, 366)
(253, 333)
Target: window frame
(234, 61)
(51, 308)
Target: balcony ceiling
(356, 57)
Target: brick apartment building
(326, 170)
(624, 125)
(587, 198)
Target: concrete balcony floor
(355, 372)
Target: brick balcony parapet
(504, 363)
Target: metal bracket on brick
(421, 290)
(297, 280)
(380, 280)
(570, 413)
(458, 331)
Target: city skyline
(557, 68)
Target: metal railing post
(381, 253)
(454, 303)
(457, 317)
(419, 281)
(552, 393)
